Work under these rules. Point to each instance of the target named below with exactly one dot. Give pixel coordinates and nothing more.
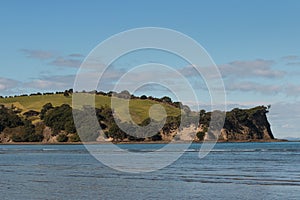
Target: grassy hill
(139, 109)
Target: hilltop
(48, 118)
(139, 107)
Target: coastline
(148, 142)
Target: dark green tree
(46, 107)
(9, 119)
(62, 138)
(166, 99)
(66, 93)
(60, 118)
(143, 97)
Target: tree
(202, 114)
(60, 118)
(9, 119)
(70, 126)
(62, 138)
(66, 93)
(143, 97)
(27, 133)
(116, 133)
(166, 99)
(177, 104)
(156, 137)
(44, 110)
(74, 138)
(200, 135)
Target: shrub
(143, 97)
(62, 138)
(200, 135)
(74, 138)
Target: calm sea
(230, 171)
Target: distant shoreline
(150, 142)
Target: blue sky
(254, 43)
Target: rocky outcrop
(240, 125)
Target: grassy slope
(139, 109)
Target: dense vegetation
(19, 129)
(253, 121)
(25, 118)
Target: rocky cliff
(240, 125)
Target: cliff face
(240, 125)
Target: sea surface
(229, 171)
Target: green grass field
(139, 109)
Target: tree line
(123, 94)
(19, 128)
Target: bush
(9, 119)
(156, 137)
(62, 138)
(44, 110)
(70, 127)
(143, 97)
(74, 138)
(60, 118)
(26, 133)
(200, 135)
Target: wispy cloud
(6, 85)
(76, 55)
(51, 82)
(293, 64)
(250, 86)
(38, 54)
(86, 81)
(290, 90)
(290, 57)
(255, 68)
(190, 71)
(238, 70)
(51, 58)
(66, 62)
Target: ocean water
(229, 171)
